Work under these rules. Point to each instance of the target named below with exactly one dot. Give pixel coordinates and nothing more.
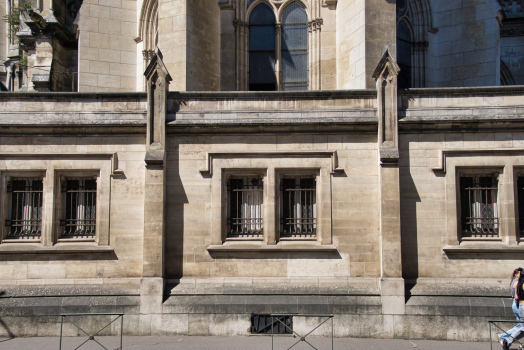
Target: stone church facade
(195, 163)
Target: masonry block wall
(351, 47)
(172, 40)
(203, 51)
(107, 51)
(466, 44)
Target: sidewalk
(229, 343)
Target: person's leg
(506, 334)
(520, 329)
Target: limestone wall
(466, 44)
(328, 52)
(172, 40)
(4, 42)
(351, 47)
(203, 50)
(106, 49)
(49, 148)
(441, 135)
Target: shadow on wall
(4, 326)
(176, 199)
(408, 221)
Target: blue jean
(520, 327)
(515, 308)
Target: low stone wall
(222, 310)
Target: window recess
(520, 203)
(245, 207)
(479, 205)
(25, 206)
(298, 209)
(79, 208)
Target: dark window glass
(294, 48)
(520, 195)
(262, 49)
(478, 206)
(404, 55)
(80, 208)
(26, 208)
(246, 207)
(298, 210)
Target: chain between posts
(92, 336)
(302, 338)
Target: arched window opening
(262, 49)
(404, 55)
(294, 52)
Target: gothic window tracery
(280, 51)
(414, 23)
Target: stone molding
(288, 247)
(57, 249)
(208, 169)
(443, 154)
(493, 249)
(70, 155)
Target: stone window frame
(5, 176)
(61, 176)
(476, 172)
(242, 38)
(227, 173)
(51, 166)
(271, 165)
(285, 173)
(507, 162)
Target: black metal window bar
(493, 323)
(245, 207)
(281, 318)
(478, 203)
(298, 208)
(26, 208)
(80, 208)
(91, 337)
(267, 324)
(520, 203)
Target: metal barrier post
(92, 336)
(492, 322)
(302, 338)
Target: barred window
(79, 208)
(478, 202)
(245, 207)
(520, 199)
(298, 208)
(25, 217)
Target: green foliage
(13, 18)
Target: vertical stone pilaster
(391, 282)
(152, 286)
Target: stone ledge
(493, 90)
(30, 248)
(363, 93)
(483, 248)
(280, 247)
(276, 121)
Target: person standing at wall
(514, 305)
(519, 296)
